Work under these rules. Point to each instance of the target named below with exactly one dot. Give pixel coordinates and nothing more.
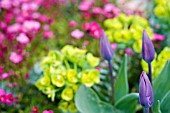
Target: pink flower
(9, 99)
(14, 28)
(31, 25)
(96, 33)
(46, 27)
(85, 5)
(113, 46)
(6, 4)
(86, 26)
(22, 38)
(2, 37)
(2, 96)
(48, 111)
(158, 37)
(110, 10)
(95, 30)
(77, 34)
(72, 23)
(97, 10)
(94, 26)
(48, 34)
(33, 6)
(4, 76)
(15, 57)
(129, 51)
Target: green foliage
(164, 105)
(128, 103)
(121, 83)
(161, 85)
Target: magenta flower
(129, 51)
(97, 10)
(48, 111)
(96, 33)
(1, 69)
(9, 99)
(72, 23)
(48, 34)
(146, 96)
(77, 34)
(113, 46)
(2, 37)
(95, 30)
(85, 5)
(22, 38)
(110, 10)
(15, 57)
(158, 37)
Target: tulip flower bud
(105, 47)
(148, 51)
(146, 97)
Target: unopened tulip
(146, 97)
(105, 47)
(148, 51)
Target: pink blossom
(85, 5)
(6, 4)
(72, 23)
(110, 10)
(4, 76)
(48, 34)
(2, 37)
(15, 57)
(95, 30)
(22, 38)
(96, 33)
(48, 111)
(77, 34)
(14, 28)
(97, 10)
(85, 43)
(113, 46)
(129, 51)
(158, 37)
(94, 26)
(33, 6)
(31, 25)
(46, 27)
(2, 96)
(86, 26)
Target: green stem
(111, 80)
(67, 64)
(146, 110)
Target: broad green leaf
(165, 103)
(121, 83)
(128, 103)
(87, 101)
(161, 84)
(157, 110)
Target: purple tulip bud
(148, 51)
(146, 97)
(105, 47)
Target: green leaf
(165, 103)
(158, 107)
(161, 84)
(128, 103)
(87, 101)
(121, 83)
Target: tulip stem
(146, 110)
(150, 72)
(111, 80)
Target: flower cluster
(162, 8)
(127, 29)
(64, 72)
(158, 62)
(6, 98)
(20, 22)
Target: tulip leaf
(161, 84)
(165, 104)
(121, 83)
(87, 101)
(128, 103)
